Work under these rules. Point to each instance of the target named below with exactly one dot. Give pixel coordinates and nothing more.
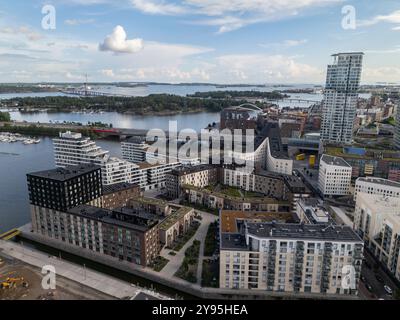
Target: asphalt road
(378, 292)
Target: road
(378, 292)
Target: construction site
(20, 281)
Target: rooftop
(233, 241)
(125, 217)
(192, 169)
(108, 189)
(175, 216)
(67, 173)
(302, 231)
(380, 181)
(336, 161)
(229, 218)
(389, 205)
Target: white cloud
(393, 17)
(159, 7)
(267, 68)
(117, 42)
(284, 44)
(77, 22)
(108, 73)
(377, 74)
(30, 34)
(229, 15)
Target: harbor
(7, 137)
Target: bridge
(291, 100)
(10, 234)
(91, 93)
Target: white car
(388, 290)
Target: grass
(159, 263)
(211, 245)
(231, 191)
(210, 274)
(188, 269)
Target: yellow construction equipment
(5, 285)
(300, 157)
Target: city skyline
(192, 41)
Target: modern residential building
(118, 195)
(377, 220)
(334, 176)
(397, 130)
(199, 176)
(64, 188)
(292, 258)
(340, 97)
(134, 149)
(72, 148)
(215, 198)
(378, 186)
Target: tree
(5, 116)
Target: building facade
(340, 97)
(334, 176)
(377, 220)
(293, 258)
(378, 186)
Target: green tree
(5, 116)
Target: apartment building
(340, 97)
(378, 186)
(118, 195)
(72, 148)
(292, 258)
(198, 176)
(134, 149)
(334, 176)
(215, 199)
(377, 220)
(65, 188)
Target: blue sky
(219, 41)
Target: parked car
(388, 290)
(379, 278)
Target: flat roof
(233, 241)
(67, 173)
(380, 181)
(229, 218)
(175, 216)
(302, 231)
(108, 189)
(188, 170)
(336, 161)
(381, 203)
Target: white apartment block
(377, 220)
(239, 178)
(340, 97)
(278, 164)
(134, 149)
(334, 176)
(292, 258)
(72, 149)
(378, 186)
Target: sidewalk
(175, 261)
(86, 277)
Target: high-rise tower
(340, 97)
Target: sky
(213, 41)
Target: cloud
(77, 22)
(229, 15)
(267, 68)
(393, 17)
(284, 44)
(385, 74)
(29, 33)
(117, 42)
(160, 7)
(108, 73)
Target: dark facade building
(65, 188)
(118, 195)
